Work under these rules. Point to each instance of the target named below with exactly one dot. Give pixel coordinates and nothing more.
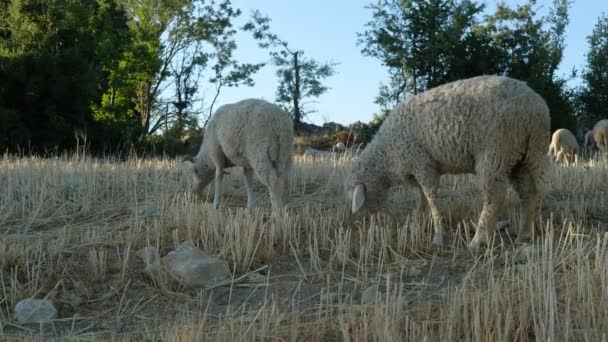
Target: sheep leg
(249, 187)
(494, 192)
(529, 197)
(560, 155)
(219, 176)
(429, 184)
(423, 206)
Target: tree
(594, 95)
(51, 68)
(531, 49)
(174, 44)
(424, 44)
(300, 78)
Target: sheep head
(202, 171)
(365, 193)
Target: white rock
(414, 271)
(76, 300)
(256, 277)
(32, 310)
(193, 268)
(368, 296)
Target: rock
(414, 271)
(193, 268)
(76, 300)
(526, 253)
(32, 310)
(256, 277)
(151, 258)
(369, 295)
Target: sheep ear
(358, 197)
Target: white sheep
(493, 126)
(600, 135)
(339, 147)
(253, 134)
(590, 145)
(564, 146)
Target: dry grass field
(70, 228)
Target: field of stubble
(70, 228)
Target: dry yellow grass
(70, 227)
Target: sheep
(339, 147)
(590, 145)
(253, 134)
(600, 135)
(563, 146)
(492, 126)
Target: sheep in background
(600, 135)
(493, 126)
(339, 147)
(590, 145)
(253, 134)
(564, 146)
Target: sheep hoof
(478, 241)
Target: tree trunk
(297, 113)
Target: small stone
(195, 269)
(32, 310)
(256, 277)
(414, 271)
(77, 300)
(368, 296)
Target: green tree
(174, 45)
(424, 44)
(50, 69)
(300, 78)
(594, 94)
(531, 50)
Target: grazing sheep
(590, 145)
(493, 126)
(339, 147)
(600, 135)
(564, 146)
(254, 134)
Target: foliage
(121, 70)
(428, 43)
(300, 78)
(50, 67)
(594, 94)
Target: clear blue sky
(326, 30)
